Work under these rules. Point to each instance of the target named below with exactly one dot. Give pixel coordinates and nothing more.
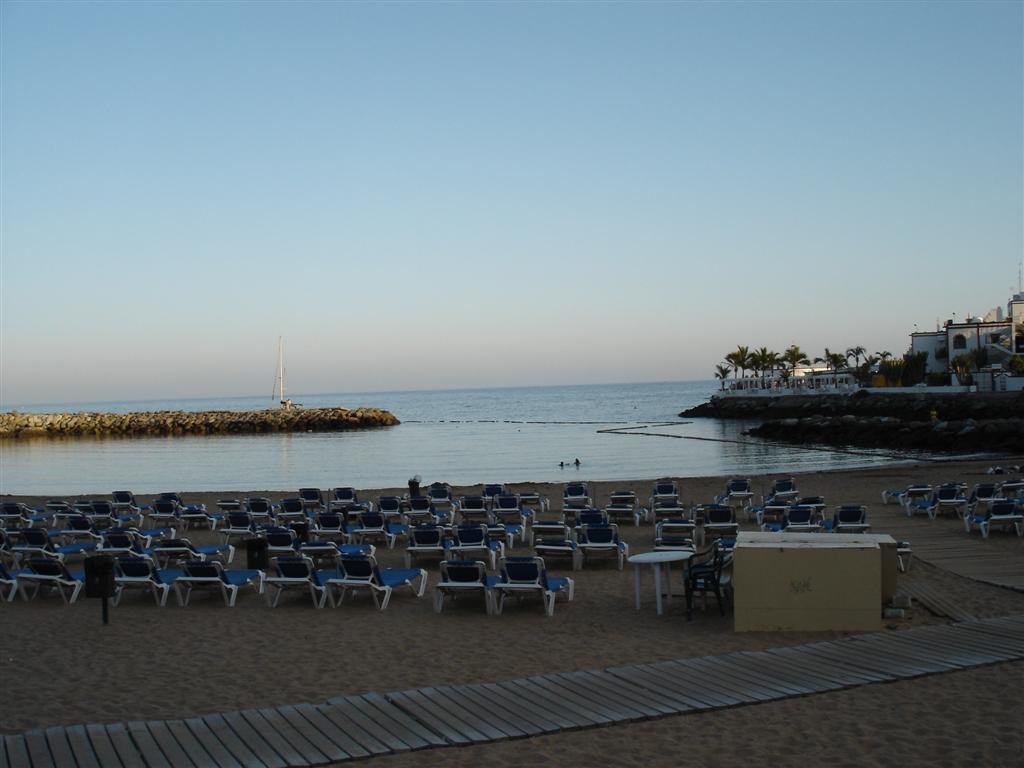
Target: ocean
(521, 434)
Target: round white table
(656, 560)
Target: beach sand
(61, 666)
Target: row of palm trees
(763, 361)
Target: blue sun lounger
(357, 572)
(464, 577)
(522, 577)
(142, 573)
(48, 573)
(212, 575)
(296, 573)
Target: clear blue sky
(460, 195)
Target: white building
(999, 335)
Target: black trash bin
(99, 576)
(256, 557)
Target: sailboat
(278, 392)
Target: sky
(443, 195)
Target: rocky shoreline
(91, 424)
(956, 422)
(1002, 436)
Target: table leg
(657, 586)
(636, 578)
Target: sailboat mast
(280, 367)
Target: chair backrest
(389, 505)
(783, 485)
(575, 491)
(427, 535)
(229, 505)
(590, 516)
(371, 520)
(493, 489)
(948, 492)
(102, 507)
(719, 514)
(292, 506)
(13, 509)
(439, 492)
(470, 534)
(166, 507)
(507, 502)
(599, 533)
(812, 501)
(674, 530)
(293, 567)
(463, 571)
(345, 494)
(47, 566)
(522, 570)
(984, 491)
(330, 521)
(258, 505)
(473, 504)
(118, 540)
(1002, 508)
(800, 514)
(665, 488)
(311, 495)
(171, 496)
(35, 537)
(851, 514)
(134, 567)
(280, 537)
(123, 497)
(1012, 488)
(738, 485)
(421, 504)
(359, 568)
(239, 520)
(78, 523)
(203, 569)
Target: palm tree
(740, 359)
(832, 360)
(764, 360)
(722, 373)
(794, 356)
(855, 353)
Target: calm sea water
(459, 436)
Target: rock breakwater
(901, 405)
(930, 421)
(1002, 436)
(91, 424)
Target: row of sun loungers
(987, 506)
(518, 577)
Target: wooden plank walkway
(997, 560)
(352, 727)
(936, 602)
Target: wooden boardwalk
(943, 542)
(352, 727)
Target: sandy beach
(63, 667)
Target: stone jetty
(954, 422)
(90, 424)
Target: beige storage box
(810, 582)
